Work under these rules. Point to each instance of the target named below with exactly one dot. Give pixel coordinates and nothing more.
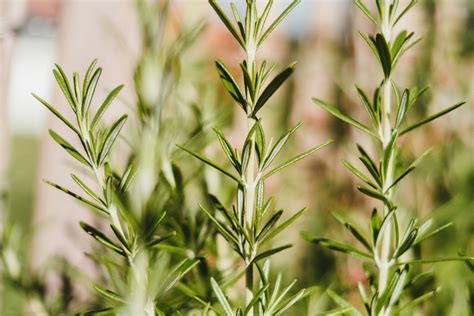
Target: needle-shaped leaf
(110, 139)
(91, 90)
(109, 294)
(269, 225)
(295, 159)
(87, 77)
(283, 226)
(365, 10)
(228, 149)
(337, 246)
(69, 148)
(272, 87)
(225, 232)
(359, 174)
(231, 85)
(86, 189)
(402, 108)
(341, 302)
(431, 118)
(384, 54)
(407, 8)
(406, 243)
(277, 21)
(63, 83)
(221, 298)
(372, 193)
(279, 146)
(102, 238)
(56, 113)
(76, 196)
(225, 19)
(108, 100)
(337, 113)
(271, 252)
(210, 163)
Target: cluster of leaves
(387, 242)
(162, 121)
(248, 226)
(134, 233)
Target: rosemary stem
(249, 190)
(385, 265)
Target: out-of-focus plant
(140, 273)
(387, 257)
(165, 116)
(249, 226)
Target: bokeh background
(322, 35)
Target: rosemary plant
(249, 226)
(387, 257)
(139, 272)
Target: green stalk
(249, 189)
(385, 264)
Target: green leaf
(89, 93)
(337, 246)
(271, 252)
(256, 297)
(286, 304)
(366, 11)
(230, 26)
(210, 163)
(120, 237)
(109, 294)
(63, 83)
(86, 189)
(76, 196)
(374, 194)
(368, 106)
(87, 77)
(69, 148)
(337, 113)
(225, 232)
(358, 174)
(358, 235)
(384, 54)
(375, 224)
(273, 86)
(416, 301)
(406, 243)
(231, 85)
(110, 139)
(127, 177)
(402, 108)
(295, 159)
(228, 150)
(407, 8)
(279, 146)
(436, 260)
(343, 303)
(277, 21)
(57, 114)
(269, 225)
(408, 170)
(423, 236)
(283, 226)
(431, 118)
(221, 298)
(159, 239)
(105, 105)
(102, 238)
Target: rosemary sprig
(248, 225)
(387, 242)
